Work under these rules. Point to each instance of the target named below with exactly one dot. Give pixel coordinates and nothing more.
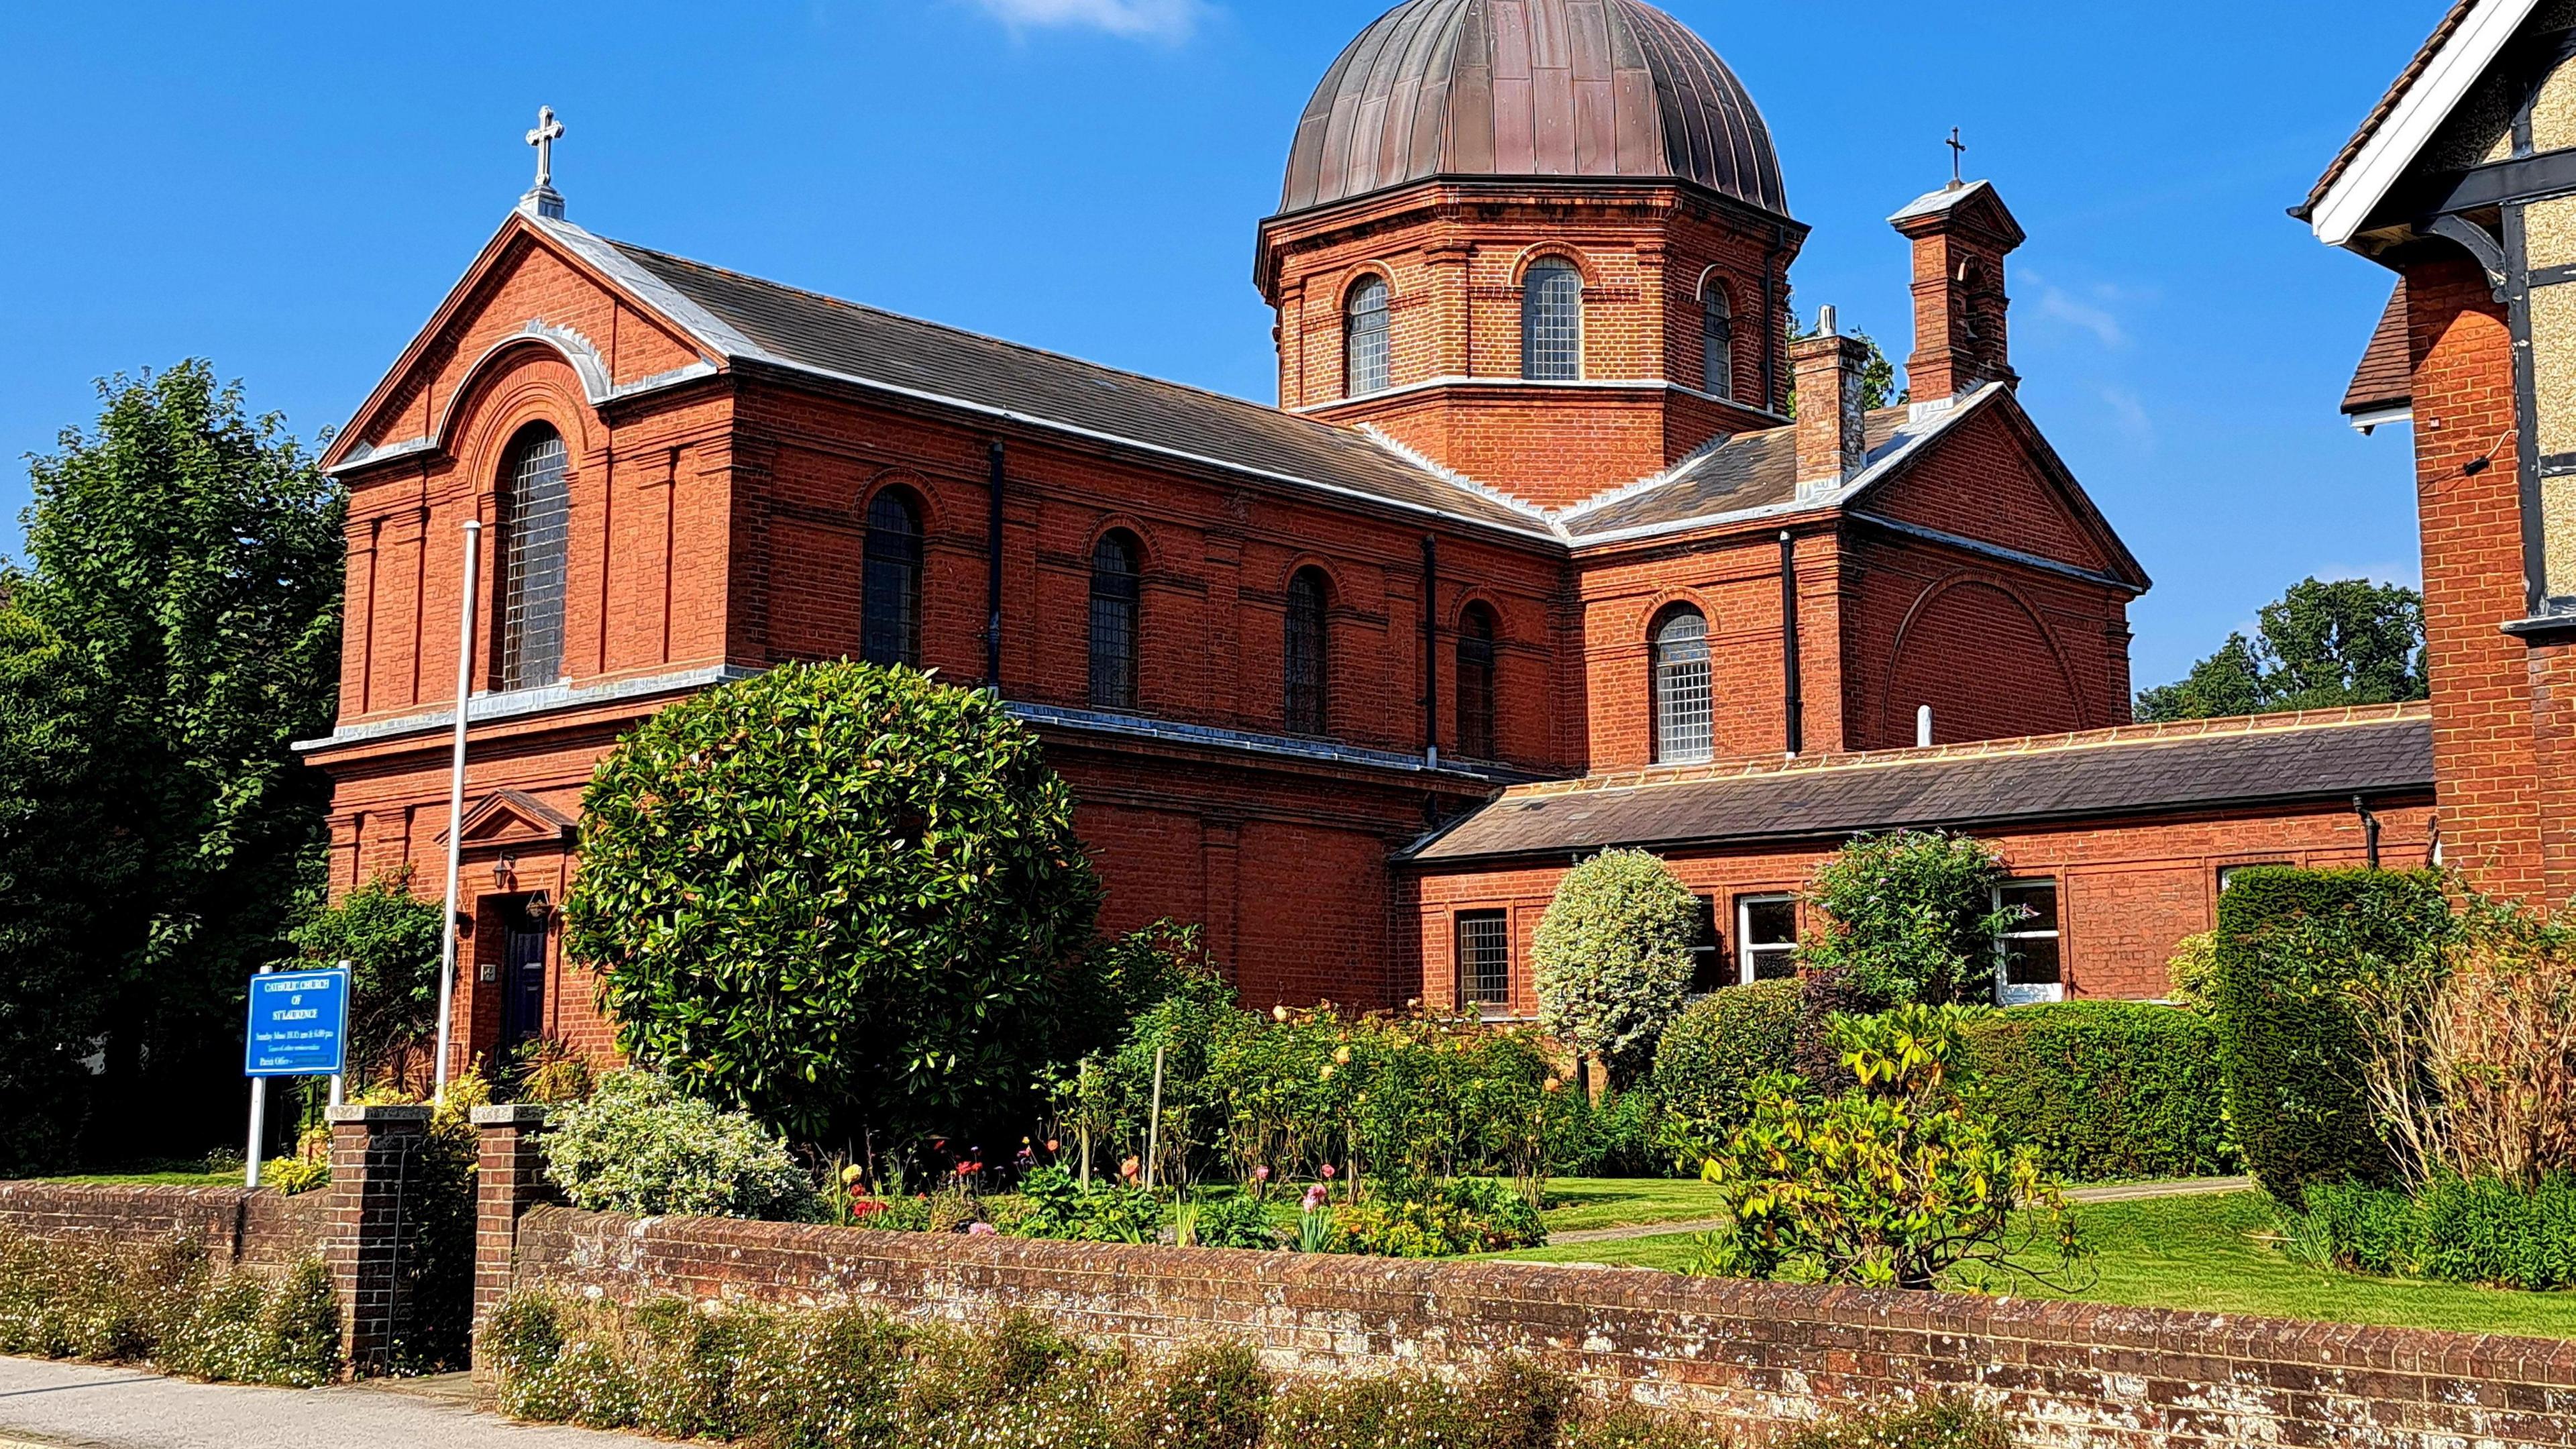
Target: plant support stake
(1154, 1122)
(456, 799)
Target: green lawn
(1578, 1204)
(153, 1179)
(2214, 1254)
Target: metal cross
(1958, 157)
(548, 131)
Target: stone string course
(1765, 1355)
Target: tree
(1909, 917)
(391, 940)
(2320, 646)
(188, 557)
(1612, 958)
(1878, 386)
(846, 898)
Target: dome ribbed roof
(1530, 88)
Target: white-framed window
(2227, 873)
(1485, 961)
(2030, 955)
(1766, 938)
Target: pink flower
(1261, 1174)
(1315, 1198)
(1328, 1172)
(981, 1230)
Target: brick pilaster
(509, 1180)
(375, 1157)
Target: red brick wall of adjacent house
(2129, 890)
(1762, 1358)
(2487, 742)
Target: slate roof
(2388, 103)
(1529, 88)
(1739, 474)
(870, 346)
(2137, 770)
(2386, 377)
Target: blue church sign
(299, 1024)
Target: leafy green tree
(1908, 917)
(1887, 1185)
(2320, 646)
(1878, 384)
(391, 940)
(1612, 958)
(844, 897)
(188, 557)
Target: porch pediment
(509, 818)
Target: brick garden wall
(2077, 1375)
(243, 1227)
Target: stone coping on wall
(256, 1227)
(2075, 1374)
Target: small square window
(1766, 936)
(1484, 960)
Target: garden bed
(2217, 1254)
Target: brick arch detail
(1927, 601)
(502, 368)
(1149, 551)
(500, 403)
(925, 499)
(1537, 252)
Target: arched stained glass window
(1552, 322)
(1685, 705)
(1717, 340)
(890, 627)
(1307, 672)
(1367, 338)
(1115, 593)
(536, 517)
(1476, 683)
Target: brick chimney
(1961, 235)
(1832, 447)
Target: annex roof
(2385, 380)
(2130, 771)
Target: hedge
(2487, 1232)
(2106, 1090)
(1710, 1058)
(2289, 1052)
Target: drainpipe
(993, 581)
(1793, 694)
(2369, 828)
(1430, 650)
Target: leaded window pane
(1115, 593)
(890, 632)
(1476, 685)
(1306, 704)
(536, 520)
(1484, 959)
(1717, 344)
(1685, 727)
(1552, 323)
(1368, 339)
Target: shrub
(2105, 1089)
(639, 1146)
(2481, 1230)
(1909, 917)
(1621, 1135)
(1887, 1185)
(2292, 1056)
(166, 1306)
(844, 897)
(1235, 1222)
(1612, 958)
(391, 940)
(1712, 1056)
(1446, 1220)
(1061, 1208)
(2192, 974)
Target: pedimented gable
(529, 288)
(508, 818)
(1995, 480)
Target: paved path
(55, 1405)
(2124, 1192)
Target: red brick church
(1533, 556)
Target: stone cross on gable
(542, 198)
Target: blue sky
(287, 189)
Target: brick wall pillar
(509, 1180)
(375, 1153)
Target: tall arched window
(1115, 592)
(1366, 339)
(1717, 340)
(1685, 729)
(890, 628)
(536, 515)
(1476, 683)
(1552, 322)
(1307, 671)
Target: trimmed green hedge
(1710, 1058)
(2106, 1089)
(2289, 1052)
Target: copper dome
(1530, 88)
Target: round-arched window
(1308, 676)
(536, 522)
(1367, 339)
(890, 629)
(1685, 703)
(1476, 633)
(1717, 341)
(1116, 594)
(1552, 322)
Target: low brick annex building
(1533, 508)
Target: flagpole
(456, 796)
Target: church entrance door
(523, 980)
